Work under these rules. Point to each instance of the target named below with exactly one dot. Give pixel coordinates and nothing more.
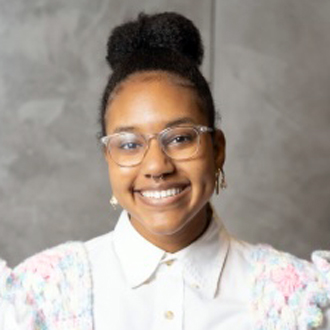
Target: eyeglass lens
(128, 149)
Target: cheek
(203, 171)
(201, 174)
(204, 176)
(120, 178)
(207, 158)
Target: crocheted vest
(54, 288)
(287, 293)
(4, 274)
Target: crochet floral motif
(287, 280)
(288, 293)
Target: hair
(167, 43)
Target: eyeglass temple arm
(205, 129)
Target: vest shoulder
(55, 286)
(287, 291)
(47, 273)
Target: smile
(159, 194)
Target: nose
(155, 162)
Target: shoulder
(99, 243)
(288, 291)
(268, 260)
(283, 268)
(52, 264)
(55, 284)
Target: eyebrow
(180, 121)
(124, 129)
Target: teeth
(161, 193)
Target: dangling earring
(217, 185)
(113, 202)
(223, 184)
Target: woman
(169, 263)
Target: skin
(148, 103)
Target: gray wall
(270, 70)
(272, 83)
(53, 180)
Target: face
(148, 106)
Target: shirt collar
(139, 258)
(202, 261)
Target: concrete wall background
(272, 82)
(53, 180)
(270, 69)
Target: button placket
(195, 286)
(169, 262)
(169, 315)
(169, 296)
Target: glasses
(179, 143)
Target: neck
(177, 241)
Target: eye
(127, 142)
(130, 146)
(179, 139)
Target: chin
(165, 224)
(166, 229)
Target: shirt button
(169, 262)
(169, 315)
(195, 286)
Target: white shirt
(202, 287)
(139, 286)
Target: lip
(162, 186)
(166, 201)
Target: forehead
(149, 102)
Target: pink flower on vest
(287, 280)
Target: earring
(220, 185)
(223, 184)
(113, 202)
(217, 175)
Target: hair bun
(168, 30)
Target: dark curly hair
(166, 42)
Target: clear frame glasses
(179, 143)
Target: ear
(219, 144)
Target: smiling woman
(169, 263)
(171, 221)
